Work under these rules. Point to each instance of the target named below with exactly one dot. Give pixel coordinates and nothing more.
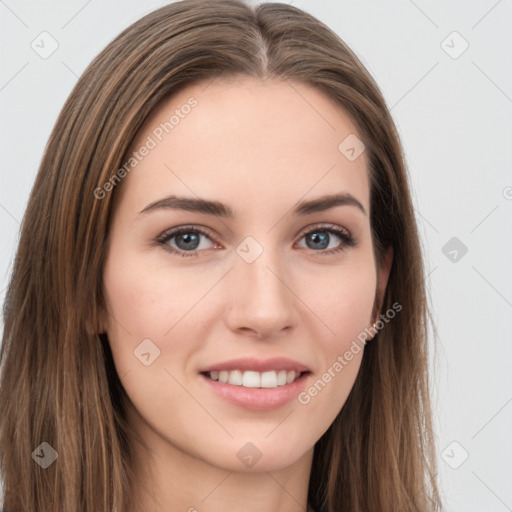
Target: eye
(187, 240)
(320, 237)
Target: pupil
(323, 238)
(190, 241)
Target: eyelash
(347, 239)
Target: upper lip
(257, 365)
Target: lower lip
(259, 399)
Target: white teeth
(235, 377)
(281, 378)
(269, 380)
(250, 379)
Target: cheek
(145, 299)
(343, 300)
(349, 312)
(137, 311)
(148, 308)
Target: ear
(101, 322)
(382, 282)
(101, 326)
(98, 325)
(383, 275)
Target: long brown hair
(58, 384)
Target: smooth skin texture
(260, 147)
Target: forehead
(263, 140)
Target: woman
(217, 299)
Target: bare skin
(260, 148)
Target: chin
(259, 454)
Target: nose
(261, 302)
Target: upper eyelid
(325, 226)
(172, 232)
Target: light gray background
(454, 117)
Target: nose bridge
(259, 265)
(261, 300)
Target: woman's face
(256, 285)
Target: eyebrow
(209, 207)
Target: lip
(258, 365)
(258, 399)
